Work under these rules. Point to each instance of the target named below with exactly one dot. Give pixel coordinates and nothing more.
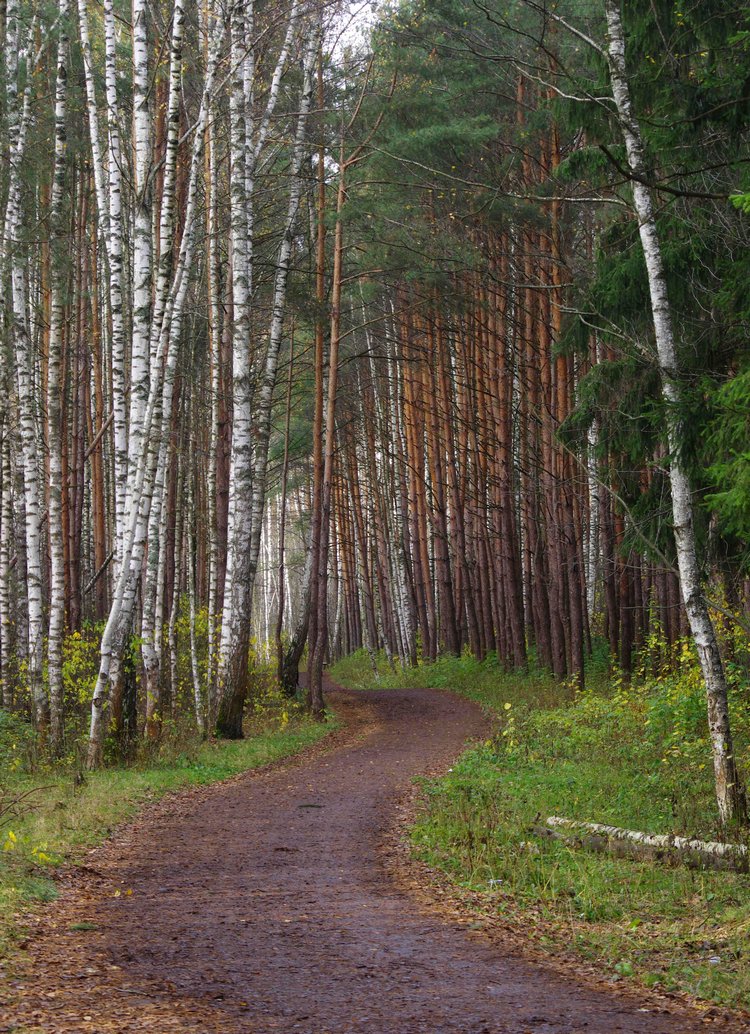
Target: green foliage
(730, 471)
(449, 159)
(688, 66)
(81, 664)
(17, 742)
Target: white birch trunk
(125, 591)
(18, 121)
(112, 463)
(151, 628)
(114, 241)
(25, 380)
(249, 494)
(232, 646)
(140, 371)
(97, 159)
(18, 532)
(200, 713)
(6, 531)
(408, 632)
(709, 853)
(54, 406)
(270, 371)
(339, 598)
(729, 791)
(179, 531)
(214, 330)
(273, 91)
(161, 596)
(164, 269)
(592, 540)
(245, 18)
(266, 581)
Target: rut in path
(262, 906)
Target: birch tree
(250, 458)
(54, 409)
(18, 61)
(114, 242)
(6, 523)
(149, 332)
(165, 340)
(214, 336)
(730, 795)
(232, 661)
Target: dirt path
(262, 905)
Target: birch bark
(232, 659)
(114, 241)
(730, 795)
(140, 372)
(214, 332)
(6, 525)
(200, 714)
(16, 58)
(142, 478)
(250, 459)
(145, 358)
(54, 407)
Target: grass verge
(632, 754)
(61, 819)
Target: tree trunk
(250, 452)
(730, 794)
(55, 429)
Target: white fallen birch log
(658, 847)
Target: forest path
(264, 904)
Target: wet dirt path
(263, 905)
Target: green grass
(633, 755)
(60, 820)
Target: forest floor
(285, 900)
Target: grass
(631, 754)
(62, 818)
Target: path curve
(262, 905)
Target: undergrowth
(630, 752)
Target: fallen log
(631, 843)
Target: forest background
(429, 343)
